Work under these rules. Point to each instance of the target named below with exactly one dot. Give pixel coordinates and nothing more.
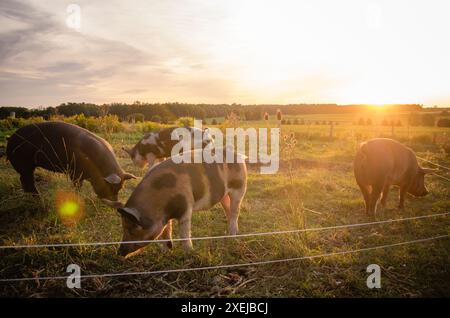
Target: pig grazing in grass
(382, 162)
(172, 190)
(66, 148)
(158, 145)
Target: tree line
(166, 112)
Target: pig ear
(131, 214)
(127, 176)
(113, 204)
(428, 170)
(113, 178)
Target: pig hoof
(188, 249)
(167, 246)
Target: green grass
(321, 178)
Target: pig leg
(385, 195)
(167, 235)
(226, 201)
(185, 230)
(402, 194)
(366, 194)
(236, 199)
(27, 181)
(374, 197)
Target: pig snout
(124, 250)
(127, 249)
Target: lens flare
(70, 207)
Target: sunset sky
(228, 51)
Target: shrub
(138, 117)
(279, 115)
(443, 122)
(185, 121)
(156, 119)
(14, 123)
(214, 122)
(106, 124)
(148, 126)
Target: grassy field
(315, 174)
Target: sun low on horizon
(249, 52)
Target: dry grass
(318, 175)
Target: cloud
(220, 52)
(46, 57)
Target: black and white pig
(158, 145)
(66, 148)
(172, 190)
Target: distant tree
(288, 122)
(384, 122)
(283, 121)
(295, 122)
(361, 121)
(70, 109)
(266, 116)
(214, 122)
(369, 122)
(444, 113)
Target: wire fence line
(442, 177)
(193, 269)
(435, 164)
(354, 225)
